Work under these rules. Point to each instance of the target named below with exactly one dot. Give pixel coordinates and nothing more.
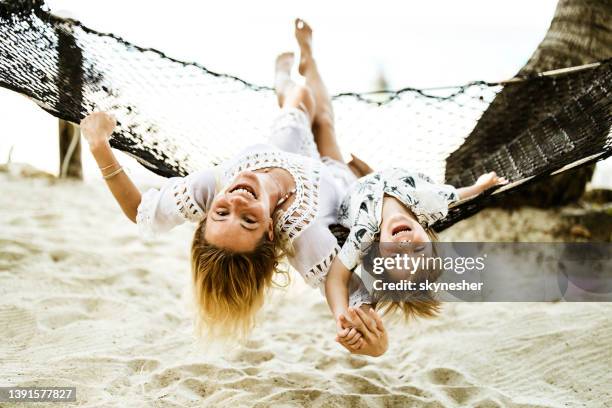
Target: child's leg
(323, 123)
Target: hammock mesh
(176, 117)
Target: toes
(285, 56)
(284, 62)
(302, 25)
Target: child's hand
(373, 340)
(347, 335)
(359, 167)
(97, 128)
(489, 180)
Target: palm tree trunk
(580, 33)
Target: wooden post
(70, 84)
(70, 150)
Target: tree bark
(580, 33)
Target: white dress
(321, 184)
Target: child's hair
(417, 303)
(229, 286)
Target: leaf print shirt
(361, 208)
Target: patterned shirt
(361, 209)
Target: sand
(85, 302)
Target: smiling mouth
(244, 189)
(401, 235)
(399, 229)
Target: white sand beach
(85, 302)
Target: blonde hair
(230, 287)
(417, 304)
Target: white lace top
(320, 186)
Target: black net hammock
(175, 117)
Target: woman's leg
(323, 122)
(292, 131)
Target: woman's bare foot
(323, 121)
(282, 74)
(308, 68)
(284, 63)
(303, 35)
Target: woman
(271, 200)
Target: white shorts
(291, 131)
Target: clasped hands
(362, 332)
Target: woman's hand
(373, 340)
(97, 128)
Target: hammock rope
(176, 117)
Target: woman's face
(241, 214)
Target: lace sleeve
(314, 250)
(180, 199)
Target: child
(391, 206)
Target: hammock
(176, 117)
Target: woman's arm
(97, 128)
(484, 182)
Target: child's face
(399, 225)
